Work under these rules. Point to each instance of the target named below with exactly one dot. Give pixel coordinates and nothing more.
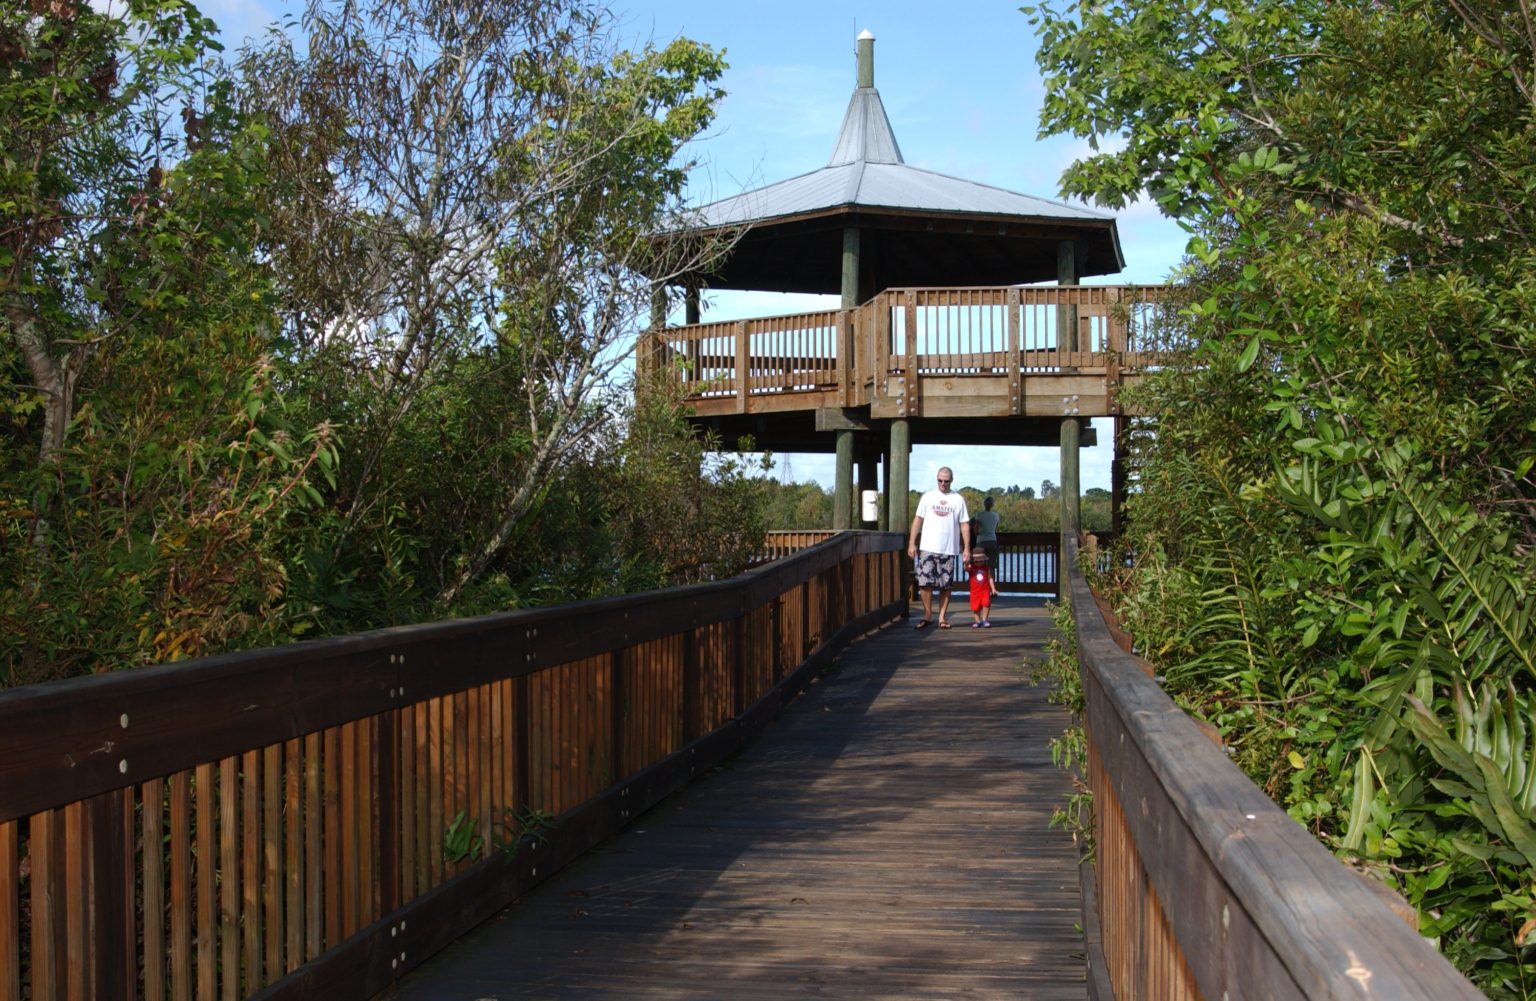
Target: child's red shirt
(981, 586)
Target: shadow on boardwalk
(886, 838)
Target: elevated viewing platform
(918, 354)
(945, 331)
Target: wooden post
(776, 637)
(617, 660)
(522, 749)
(842, 509)
(879, 328)
(1015, 318)
(658, 307)
(739, 700)
(1117, 472)
(850, 283)
(743, 361)
(385, 749)
(845, 356)
(1070, 504)
(897, 481)
(107, 965)
(648, 349)
(1066, 315)
(912, 404)
(690, 700)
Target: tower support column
(842, 494)
(1070, 501)
(898, 480)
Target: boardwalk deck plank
(888, 837)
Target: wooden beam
(842, 419)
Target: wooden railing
(980, 330)
(313, 821)
(1026, 564)
(852, 357)
(779, 544)
(1204, 887)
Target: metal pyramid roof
(932, 228)
(866, 169)
(882, 185)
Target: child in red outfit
(983, 587)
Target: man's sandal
(921, 624)
(943, 625)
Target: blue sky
(963, 94)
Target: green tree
(793, 506)
(149, 463)
(466, 193)
(1335, 515)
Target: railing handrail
(1066, 294)
(880, 352)
(1250, 897)
(80, 737)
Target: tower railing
(852, 357)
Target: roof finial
(866, 58)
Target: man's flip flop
(922, 624)
(943, 625)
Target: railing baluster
(250, 848)
(294, 829)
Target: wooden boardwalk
(888, 837)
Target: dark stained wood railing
(781, 543)
(950, 352)
(313, 821)
(1204, 887)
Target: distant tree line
(809, 505)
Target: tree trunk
(49, 375)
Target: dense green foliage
(1333, 528)
(333, 340)
(149, 462)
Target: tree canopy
(331, 335)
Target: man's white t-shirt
(942, 514)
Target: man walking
(941, 531)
